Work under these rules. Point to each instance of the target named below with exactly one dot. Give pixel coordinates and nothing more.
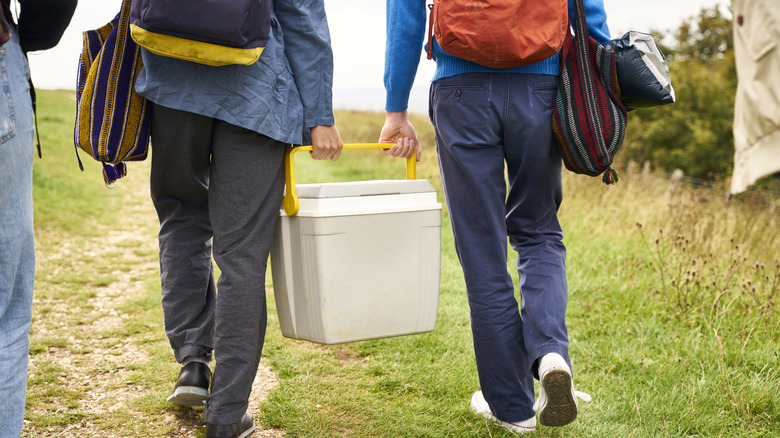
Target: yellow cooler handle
(291, 203)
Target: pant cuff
(547, 349)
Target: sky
(358, 33)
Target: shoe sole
(189, 396)
(561, 407)
(247, 432)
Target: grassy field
(673, 320)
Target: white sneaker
(557, 402)
(480, 406)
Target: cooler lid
(363, 188)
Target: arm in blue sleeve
(307, 46)
(405, 34)
(596, 18)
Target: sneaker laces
(584, 396)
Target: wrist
(396, 116)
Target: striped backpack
(112, 120)
(589, 120)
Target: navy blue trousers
(501, 174)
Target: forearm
(308, 49)
(596, 18)
(42, 22)
(405, 34)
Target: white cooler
(360, 260)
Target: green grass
(672, 313)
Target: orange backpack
(499, 33)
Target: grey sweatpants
(215, 182)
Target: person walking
(40, 26)
(218, 139)
(487, 120)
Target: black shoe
(242, 428)
(192, 386)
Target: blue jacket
(406, 32)
(287, 90)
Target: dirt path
(97, 359)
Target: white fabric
(653, 58)
(757, 107)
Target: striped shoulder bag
(112, 120)
(589, 120)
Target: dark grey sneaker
(192, 386)
(241, 429)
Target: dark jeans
(484, 121)
(215, 182)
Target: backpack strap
(429, 46)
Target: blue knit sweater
(406, 33)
